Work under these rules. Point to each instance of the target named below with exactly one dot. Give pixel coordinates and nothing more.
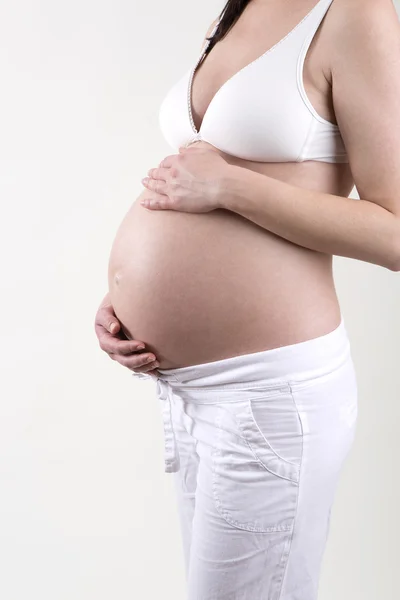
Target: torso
(202, 287)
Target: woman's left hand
(191, 181)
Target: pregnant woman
(222, 269)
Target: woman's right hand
(118, 347)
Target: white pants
(256, 444)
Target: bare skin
(113, 341)
(275, 292)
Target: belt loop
(171, 458)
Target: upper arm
(366, 96)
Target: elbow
(394, 264)
(395, 267)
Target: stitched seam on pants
(273, 389)
(244, 526)
(218, 504)
(259, 460)
(264, 466)
(297, 498)
(265, 440)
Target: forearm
(324, 222)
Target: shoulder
(359, 30)
(360, 26)
(342, 12)
(365, 60)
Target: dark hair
(228, 17)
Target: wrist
(232, 187)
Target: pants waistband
(267, 372)
(286, 364)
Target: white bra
(262, 112)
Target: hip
(281, 407)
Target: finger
(137, 362)
(169, 161)
(158, 173)
(106, 318)
(191, 147)
(152, 372)
(159, 202)
(114, 327)
(148, 369)
(114, 345)
(155, 185)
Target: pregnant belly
(202, 287)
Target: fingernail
(140, 347)
(150, 359)
(113, 327)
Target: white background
(86, 510)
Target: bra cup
(258, 116)
(173, 114)
(261, 113)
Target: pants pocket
(256, 462)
